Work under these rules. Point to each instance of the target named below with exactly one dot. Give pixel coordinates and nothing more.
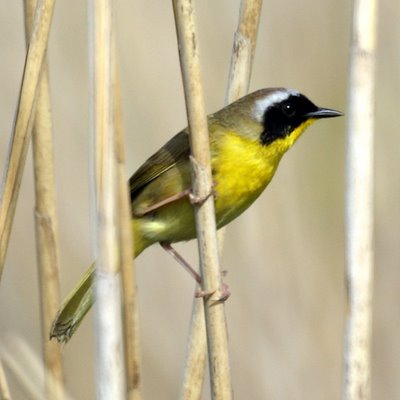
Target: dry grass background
(284, 256)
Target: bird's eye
(288, 109)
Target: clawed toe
(225, 293)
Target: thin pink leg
(169, 249)
(200, 293)
(164, 202)
(185, 193)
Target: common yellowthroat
(247, 140)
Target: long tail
(80, 300)
(74, 308)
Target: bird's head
(274, 114)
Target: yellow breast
(242, 170)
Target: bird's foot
(224, 294)
(224, 291)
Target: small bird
(247, 141)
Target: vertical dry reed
(22, 129)
(244, 46)
(130, 310)
(239, 78)
(4, 390)
(217, 340)
(359, 202)
(46, 224)
(110, 372)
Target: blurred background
(285, 255)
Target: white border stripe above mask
(263, 104)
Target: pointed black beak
(324, 113)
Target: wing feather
(175, 151)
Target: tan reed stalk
(28, 378)
(24, 366)
(129, 303)
(195, 363)
(359, 202)
(110, 373)
(4, 390)
(244, 46)
(217, 340)
(46, 224)
(22, 129)
(245, 39)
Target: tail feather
(74, 308)
(81, 298)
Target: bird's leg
(193, 198)
(200, 293)
(169, 249)
(184, 193)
